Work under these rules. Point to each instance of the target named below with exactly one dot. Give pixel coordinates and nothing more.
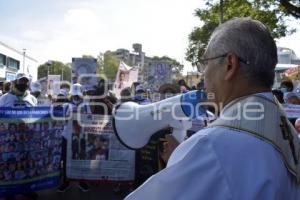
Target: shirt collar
(268, 95)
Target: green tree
(292, 7)
(109, 64)
(269, 12)
(55, 68)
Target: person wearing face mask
(19, 96)
(140, 96)
(71, 108)
(35, 90)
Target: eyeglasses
(202, 62)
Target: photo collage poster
(30, 150)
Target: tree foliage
(55, 68)
(108, 64)
(291, 7)
(270, 12)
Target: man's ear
(232, 66)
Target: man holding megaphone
(251, 151)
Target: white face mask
(76, 102)
(65, 91)
(283, 90)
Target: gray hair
(250, 40)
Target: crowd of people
(34, 139)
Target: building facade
(135, 58)
(153, 71)
(287, 56)
(192, 78)
(13, 61)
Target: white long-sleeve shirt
(220, 163)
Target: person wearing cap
(35, 89)
(65, 89)
(71, 108)
(140, 95)
(291, 98)
(19, 96)
(1, 87)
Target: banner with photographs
(94, 153)
(292, 111)
(84, 71)
(30, 150)
(126, 76)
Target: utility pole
(24, 52)
(49, 63)
(62, 73)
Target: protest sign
(53, 85)
(291, 110)
(84, 71)
(30, 150)
(94, 153)
(126, 76)
(160, 73)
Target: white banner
(53, 85)
(126, 75)
(95, 153)
(292, 111)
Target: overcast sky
(60, 30)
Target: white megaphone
(134, 124)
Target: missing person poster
(160, 73)
(125, 77)
(30, 150)
(53, 85)
(94, 152)
(84, 71)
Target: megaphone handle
(179, 134)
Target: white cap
(76, 89)
(288, 95)
(35, 87)
(139, 88)
(22, 75)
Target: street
(101, 192)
